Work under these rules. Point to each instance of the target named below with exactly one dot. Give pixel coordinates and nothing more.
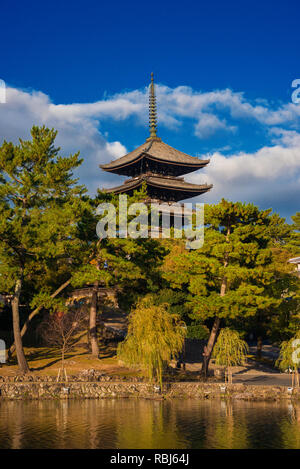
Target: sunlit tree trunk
(296, 377)
(93, 322)
(23, 366)
(210, 345)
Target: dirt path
(252, 373)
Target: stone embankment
(96, 385)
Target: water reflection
(129, 423)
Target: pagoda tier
(157, 157)
(158, 165)
(161, 188)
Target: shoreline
(44, 390)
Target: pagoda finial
(152, 111)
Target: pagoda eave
(156, 154)
(162, 188)
(126, 168)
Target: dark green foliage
(197, 331)
(174, 298)
(130, 264)
(234, 275)
(236, 251)
(294, 241)
(40, 205)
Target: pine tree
(228, 277)
(40, 205)
(294, 241)
(131, 265)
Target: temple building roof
(158, 186)
(155, 150)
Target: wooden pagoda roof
(158, 151)
(180, 188)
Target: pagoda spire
(152, 112)
(158, 165)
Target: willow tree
(229, 277)
(40, 205)
(230, 350)
(154, 337)
(289, 357)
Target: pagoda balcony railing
(157, 175)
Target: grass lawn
(47, 360)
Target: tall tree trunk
(296, 376)
(216, 326)
(23, 366)
(230, 374)
(93, 322)
(259, 348)
(33, 314)
(210, 345)
(214, 333)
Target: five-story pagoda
(158, 165)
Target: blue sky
(224, 72)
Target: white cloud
(208, 124)
(270, 175)
(185, 102)
(116, 149)
(77, 126)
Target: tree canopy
(231, 276)
(294, 241)
(41, 203)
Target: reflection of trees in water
(149, 424)
(138, 423)
(14, 421)
(228, 430)
(87, 424)
(231, 424)
(57, 424)
(106, 423)
(263, 424)
(211, 424)
(290, 427)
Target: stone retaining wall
(183, 390)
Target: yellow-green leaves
(154, 336)
(230, 349)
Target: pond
(133, 424)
